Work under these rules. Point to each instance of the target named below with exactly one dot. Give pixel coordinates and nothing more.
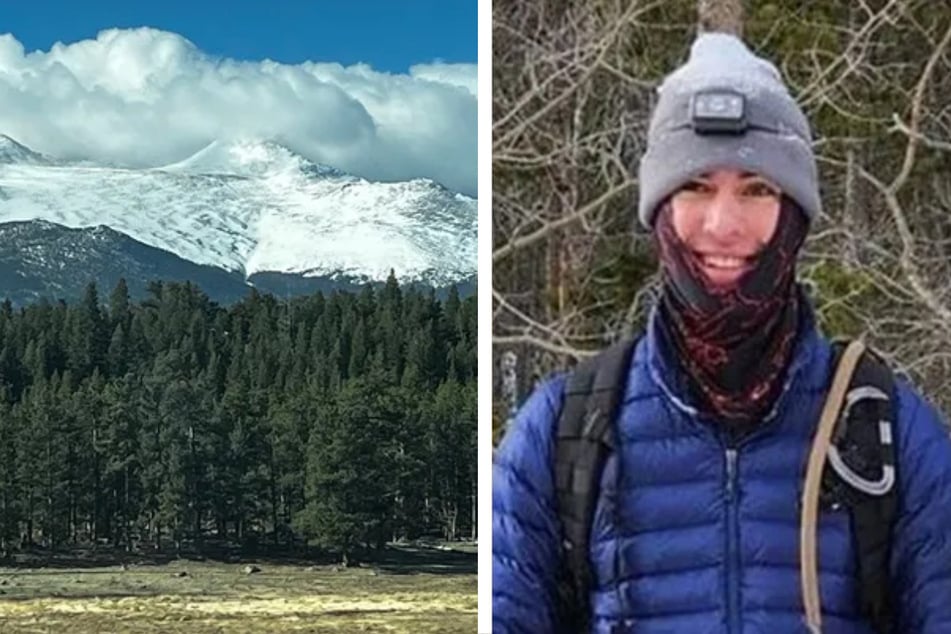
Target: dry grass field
(408, 592)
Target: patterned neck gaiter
(733, 343)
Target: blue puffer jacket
(707, 539)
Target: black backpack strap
(584, 439)
(862, 477)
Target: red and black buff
(734, 343)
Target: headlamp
(718, 112)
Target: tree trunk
(275, 502)
(29, 521)
(475, 509)
(453, 515)
(720, 16)
(113, 525)
(95, 495)
(125, 512)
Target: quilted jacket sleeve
(524, 525)
(921, 556)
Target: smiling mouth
(724, 262)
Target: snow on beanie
(726, 108)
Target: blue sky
(390, 35)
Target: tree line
(346, 420)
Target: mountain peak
(13, 152)
(249, 157)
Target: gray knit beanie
(726, 108)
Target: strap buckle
(872, 487)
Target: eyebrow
(743, 175)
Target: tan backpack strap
(808, 556)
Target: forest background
(343, 422)
(573, 87)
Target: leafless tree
(573, 87)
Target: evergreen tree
(349, 469)
(348, 419)
(119, 312)
(118, 443)
(10, 494)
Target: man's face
(725, 218)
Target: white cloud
(143, 97)
(462, 75)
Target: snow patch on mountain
(12, 152)
(253, 206)
(250, 158)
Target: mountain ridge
(250, 206)
(40, 259)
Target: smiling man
(663, 486)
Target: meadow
(402, 591)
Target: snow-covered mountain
(254, 207)
(42, 259)
(12, 152)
